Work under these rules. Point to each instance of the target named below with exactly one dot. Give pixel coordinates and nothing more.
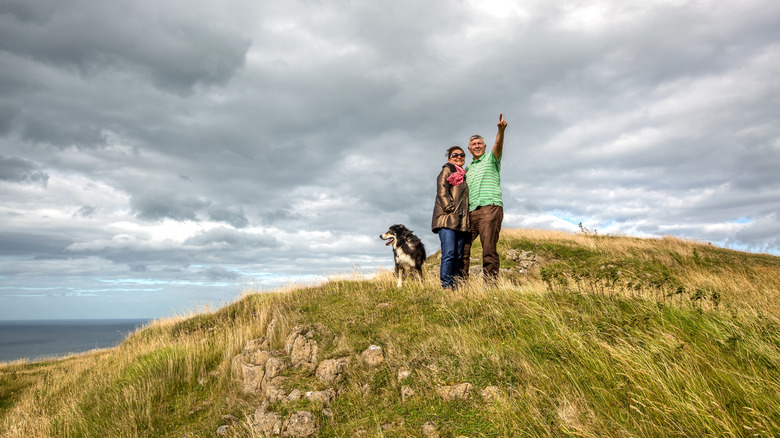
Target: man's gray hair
(475, 136)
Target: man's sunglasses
(457, 155)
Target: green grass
(575, 350)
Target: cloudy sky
(160, 156)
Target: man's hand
(501, 122)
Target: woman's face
(457, 157)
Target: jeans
(485, 224)
(452, 243)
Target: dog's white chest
(401, 258)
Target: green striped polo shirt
(484, 181)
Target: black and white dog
(408, 251)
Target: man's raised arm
(498, 147)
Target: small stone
(454, 392)
(295, 395)
(406, 392)
(403, 373)
(223, 430)
(429, 430)
(490, 393)
(325, 397)
(373, 355)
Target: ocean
(36, 340)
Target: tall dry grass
(574, 350)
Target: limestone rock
(373, 355)
(253, 346)
(252, 378)
(302, 348)
(332, 370)
(260, 357)
(223, 430)
(300, 424)
(325, 397)
(490, 393)
(294, 395)
(524, 259)
(454, 392)
(274, 389)
(267, 423)
(273, 367)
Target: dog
(408, 251)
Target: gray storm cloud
(182, 151)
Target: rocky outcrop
(265, 374)
(525, 259)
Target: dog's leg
(400, 278)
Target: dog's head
(393, 233)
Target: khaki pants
(485, 223)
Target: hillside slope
(584, 336)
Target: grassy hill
(585, 335)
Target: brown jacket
(451, 209)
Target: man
(486, 210)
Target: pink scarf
(456, 178)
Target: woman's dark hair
(453, 149)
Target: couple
(468, 204)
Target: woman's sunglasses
(457, 155)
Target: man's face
(477, 147)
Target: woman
(451, 216)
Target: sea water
(35, 340)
